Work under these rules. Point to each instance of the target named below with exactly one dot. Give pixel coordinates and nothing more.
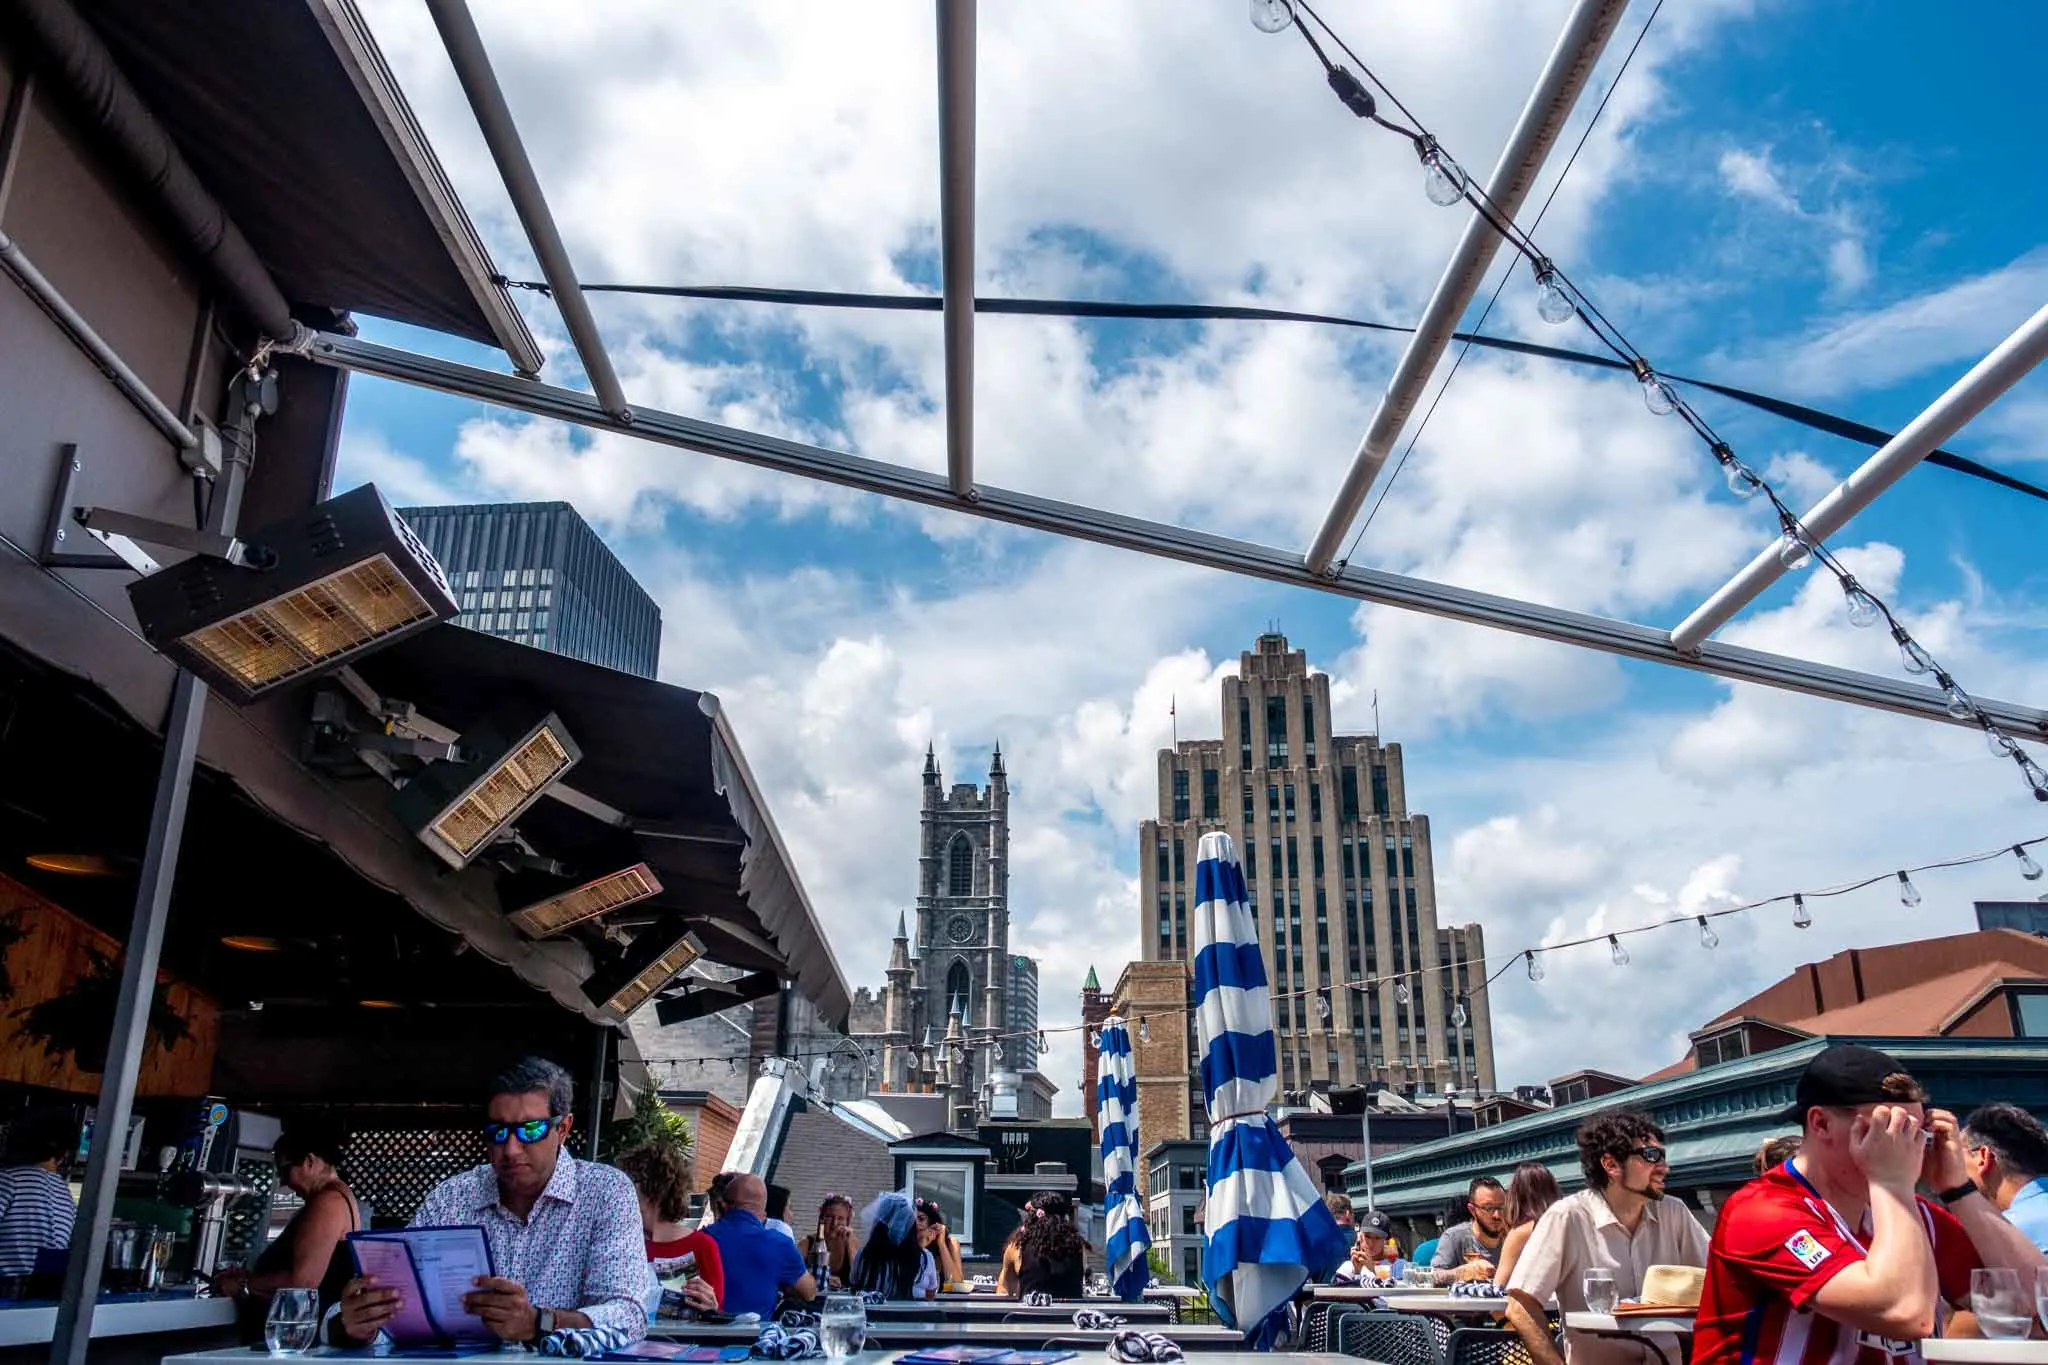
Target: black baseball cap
(1376, 1223)
(1843, 1076)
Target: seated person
(894, 1262)
(761, 1265)
(1833, 1254)
(36, 1208)
(312, 1251)
(686, 1264)
(835, 1234)
(1046, 1254)
(945, 1249)
(1368, 1263)
(566, 1231)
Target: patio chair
(1485, 1346)
(1388, 1337)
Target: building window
(1316, 861)
(524, 621)
(1276, 732)
(547, 578)
(1308, 729)
(958, 991)
(2030, 1010)
(1244, 732)
(490, 599)
(1212, 794)
(1250, 809)
(1407, 857)
(1251, 860)
(1287, 800)
(1165, 866)
(1315, 801)
(1379, 789)
(1180, 793)
(1180, 864)
(1273, 803)
(1293, 858)
(1348, 806)
(510, 579)
(960, 867)
(527, 577)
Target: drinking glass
(1601, 1295)
(2041, 1293)
(293, 1322)
(2000, 1304)
(843, 1325)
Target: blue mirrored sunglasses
(528, 1131)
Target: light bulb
(1272, 16)
(1863, 609)
(1998, 741)
(1912, 657)
(1459, 1014)
(1741, 482)
(1442, 179)
(1095, 1038)
(1144, 1030)
(1616, 951)
(1535, 967)
(1553, 303)
(1959, 706)
(1042, 1045)
(1659, 397)
(1708, 938)
(1800, 918)
(1793, 552)
(2029, 869)
(1322, 1004)
(1401, 992)
(1909, 894)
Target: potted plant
(80, 1022)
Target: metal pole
(473, 68)
(142, 951)
(1626, 639)
(1990, 377)
(956, 233)
(1570, 66)
(1365, 1137)
(131, 1019)
(597, 1088)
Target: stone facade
(1341, 882)
(1170, 1101)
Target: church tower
(963, 918)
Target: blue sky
(1785, 196)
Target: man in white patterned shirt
(564, 1234)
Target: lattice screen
(391, 1169)
(249, 1215)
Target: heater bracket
(212, 544)
(59, 550)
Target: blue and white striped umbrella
(1268, 1229)
(1125, 1232)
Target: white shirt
(1581, 1233)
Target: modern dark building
(2029, 917)
(535, 572)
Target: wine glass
(293, 1322)
(2000, 1304)
(1601, 1295)
(843, 1325)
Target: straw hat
(1673, 1286)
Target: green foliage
(1156, 1261)
(653, 1124)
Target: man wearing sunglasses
(564, 1234)
(1621, 1223)
(1832, 1256)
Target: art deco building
(1341, 882)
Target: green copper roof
(1091, 984)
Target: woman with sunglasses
(312, 1251)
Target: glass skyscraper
(536, 573)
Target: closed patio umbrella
(1126, 1235)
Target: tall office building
(1341, 884)
(1021, 1052)
(536, 573)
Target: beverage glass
(293, 1322)
(1601, 1295)
(2041, 1293)
(2000, 1304)
(843, 1325)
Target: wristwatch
(543, 1324)
(1952, 1195)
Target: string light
(1095, 1039)
(1909, 894)
(1272, 16)
(1801, 918)
(1535, 967)
(1560, 298)
(1402, 995)
(1323, 1003)
(1708, 938)
(1616, 951)
(2029, 869)
(1459, 1014)
(1144, 1030)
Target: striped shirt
(36, 1213)
(1776, 1245)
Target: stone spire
(995, 765)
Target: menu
(432, 1268)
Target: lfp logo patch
(1806, 1249)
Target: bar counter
(124, 1328)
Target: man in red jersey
(1832, 1256)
